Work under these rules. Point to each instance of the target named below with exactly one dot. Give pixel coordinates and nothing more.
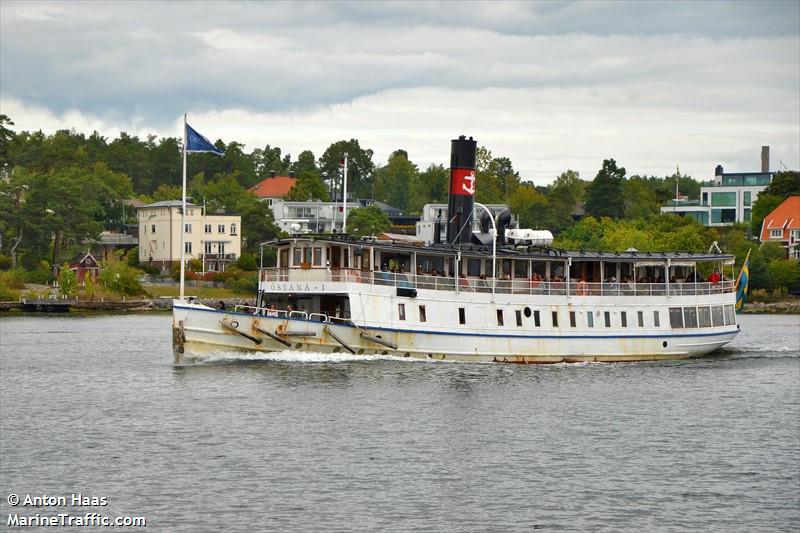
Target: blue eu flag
(197, 143)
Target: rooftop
(273, 187)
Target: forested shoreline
(61, 190)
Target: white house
(213, 238)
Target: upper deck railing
(501, 286)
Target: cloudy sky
(552, 85)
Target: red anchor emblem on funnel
(463, 182)
(469, 183)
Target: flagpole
(344, 197)
(183, 210)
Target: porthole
(384, 352)
(235, 324)
(360, 351)
(664, 344)
(336, 349)
(527, 312)
(406, 354)
(298, 346)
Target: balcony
(517, 286)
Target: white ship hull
(200, 332)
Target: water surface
(269, 443)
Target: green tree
(784, 274)
(367, 221)
(429, 187)
(763, 206)
(67, 281)
(496, 179)
(639, 197)
(563, 198)
(165, 193)
(604, 195)
(394, 181)
(269, 159)
(309, 186)
(360, 169)
(7, 137)
(118, 277)
(305, 163)
(531, 207)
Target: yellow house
(214, 239)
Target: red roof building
(274, 187)
(783, 225)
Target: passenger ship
(494, 296)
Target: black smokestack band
(461, 202)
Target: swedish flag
(742, 283)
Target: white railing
(515, 286)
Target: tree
(783, 185)
(305, 163)
(784, 273)
(639, 198)
(530, 206)
(118, 277)
(367, 221)
(309, 186)
(563, 198)
(496, 179)
(67, 281)
(604, 195)
(429, 187)
(7, 137)
(360, 169)
(394, 181)
(268, 160)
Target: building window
(656, 319)
(187, 228)
(401, 311)
(690, 317)
(676, 317)
(776, 233)
(555, 319)
(746, 215)
(723, 216)
(221, 248)
(746, 198)
(207, 228)
(623, 316)
(536, 321)
(422, 316)
(187, 247)
(640, 317)
(499, 317)
(462, 319)
(221, 228)
(572, 319)
(590, 319)
(152, 228)
(519, 318)
(607, 318)
(233, 229)
(723, 199)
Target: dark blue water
(95, 406)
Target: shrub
(132, 257)
(7, 292)
(5, 262)
(121, 278)
(67, 281)
(247, 262)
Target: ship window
(656, 319)
(675, 317)
(422, 316)
(704, 317)
(519, 318)
(555, 319)
(520, 269)
(499, 317)
(297, 257)
(716, 316)
(317, 256)
(284, 258)
(730, 315)
(607, 318)
(623, 316)
(401, 311)
(307, 255)
(536, 321)
(462, 319)
(527, 312)
(690, 317)
(474, 267)
(572, 319)
(590, 319)
(640, 316)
